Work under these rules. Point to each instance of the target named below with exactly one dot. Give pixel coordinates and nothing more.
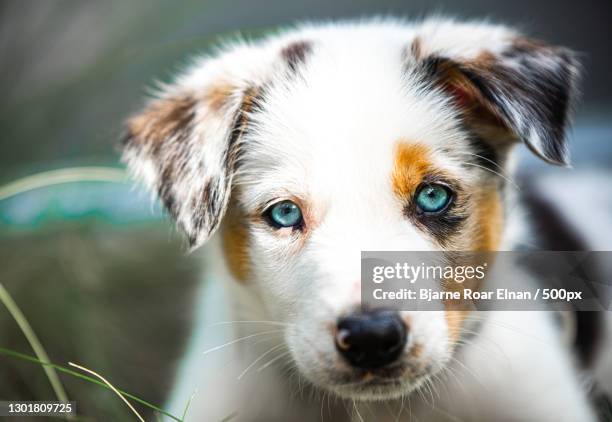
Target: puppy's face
(328, 141)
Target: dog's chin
(372, 386)
(373, 391)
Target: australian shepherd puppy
(306, 147)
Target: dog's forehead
(341, 115)
(356, 92)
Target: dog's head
(325, 141)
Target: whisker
(514, 328)
(282, 355)
(468, 371)
(401, 408)
(282, 324)
(499, 353)
(357, 411)
(486, 159)
(322, 403)
(506, 178)
(450, 371)
(229, 343)
(430, 389)
(420, 391)
(272, 349)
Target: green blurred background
(101, 276)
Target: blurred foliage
(85, 202)
(75, 115)
(115, 300)
(103, 283)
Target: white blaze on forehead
(331, 130)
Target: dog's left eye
(284, 214)
(433, 198)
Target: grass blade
(187, 405)
(36, 345)
(105, 381)
(23, 356)
(65, 175)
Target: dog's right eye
(284, 214)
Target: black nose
(371, 339)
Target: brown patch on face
(412, 168)
(235, 243)
(489, 220)
(456, 311)
(163, 118)
(411, 164)
(454, 322)
(235, 231)
(485, 236)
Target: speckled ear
(523, 86)
(185, 144)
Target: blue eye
(433, 198)
(285, 214)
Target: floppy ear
(508, 87)
(185, 143)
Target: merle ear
(523, 87)
(186, 143)
(184, 146)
